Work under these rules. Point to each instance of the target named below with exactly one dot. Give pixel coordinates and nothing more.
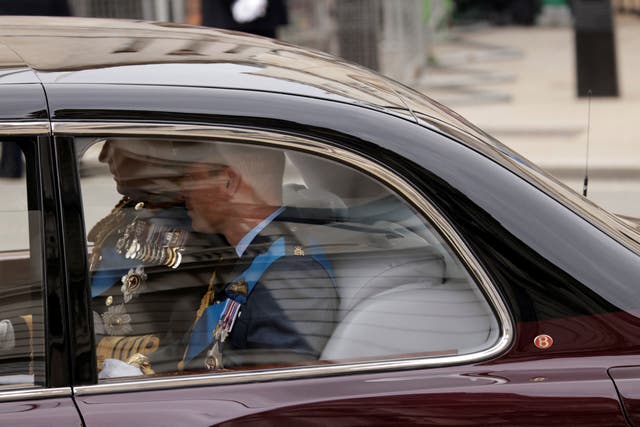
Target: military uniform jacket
(154, 314)
(292, 310)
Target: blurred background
(526, 71)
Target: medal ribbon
(104, 279)
(227, 312)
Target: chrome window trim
(308, 145)
(25, 128)
(35, 394)
(14, 255)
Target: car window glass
(217, 256)
(21, 308)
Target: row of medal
(152, 243)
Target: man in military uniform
(174, 291)
(148, 269)
(278, 304)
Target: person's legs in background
(11, 162)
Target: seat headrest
(299, 196)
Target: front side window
(215, 256)
(21, 308)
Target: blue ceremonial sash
(112, 266)
(202, 335)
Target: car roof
(71, 50)
(87, 50)
(66, 50)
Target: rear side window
(21, 308)
(210, 256)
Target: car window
(21, 308)
(214, 256)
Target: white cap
(166, 151)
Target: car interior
(402, 291)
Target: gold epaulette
(104, 227)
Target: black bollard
(595, 48)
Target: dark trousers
(11, 162)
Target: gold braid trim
(130, 347)
(28, 320)
(97, 233)
(123, 348)
(105, 228)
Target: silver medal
(133, 283)
(116, 321)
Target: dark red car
(426, 274)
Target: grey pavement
(518, 83)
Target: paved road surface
(518, 83)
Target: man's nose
(105, 153)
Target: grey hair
(261, 167)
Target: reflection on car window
(214, 256)
(21, 308)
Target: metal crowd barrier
(153, 10)
(388, 36)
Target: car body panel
(40, 412)
(516, 394)
(627, 380)
(23, 102)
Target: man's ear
(232, 181)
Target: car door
(381, 253)
(416, 317)
(35, 386)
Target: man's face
(141, 177)
(206, 193)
